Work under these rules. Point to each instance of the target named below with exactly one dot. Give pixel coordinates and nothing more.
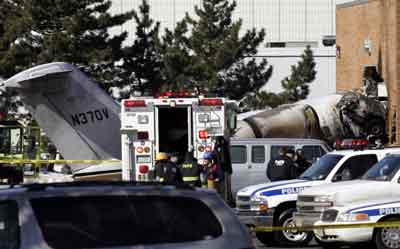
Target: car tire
(387, 237)
(290, 238)
(267, 238)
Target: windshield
(384, 170)
(321, 168)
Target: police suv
(373, 198)
(274, 203)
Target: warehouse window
(276, 44)
(292, 44)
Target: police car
(373, 198)
(274, 203)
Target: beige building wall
(367, 34)
(356, 25)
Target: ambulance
(172, 124)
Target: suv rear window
(108, 221)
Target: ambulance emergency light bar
(135, 103)
(202, 102)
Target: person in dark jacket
(223, 159)
(190, 170)
(167, 171)
(52, 150)
(282, 167)
(301, 162)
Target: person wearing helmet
(213, 171)
(167, 171)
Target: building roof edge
(351, 4)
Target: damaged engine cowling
(362, 116)
(328, 118)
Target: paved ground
(313, 245)
(259, 245)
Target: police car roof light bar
(351, 144)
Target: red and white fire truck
(172, 125)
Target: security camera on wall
(329, 40)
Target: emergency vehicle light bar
(351, 143)
(135, 103)
(171, 94)
(213, 102)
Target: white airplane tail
(79, 117)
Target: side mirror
(337, 178)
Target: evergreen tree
(176, 56)
(14, 24)
(206, 52)
(296, 86)
(73, 31)
(13, 21)
(142, 60)
(34, 32)
(261, 100)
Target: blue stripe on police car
(285, 191)
(277, 185)
(380, 211)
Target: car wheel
(292, 237)
(267, 238)
(387, 237)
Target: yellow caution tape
(330, 226)
(190, 178)
(23, 161)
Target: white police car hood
(347, 192)
(279, 191)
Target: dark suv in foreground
(116, 215)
